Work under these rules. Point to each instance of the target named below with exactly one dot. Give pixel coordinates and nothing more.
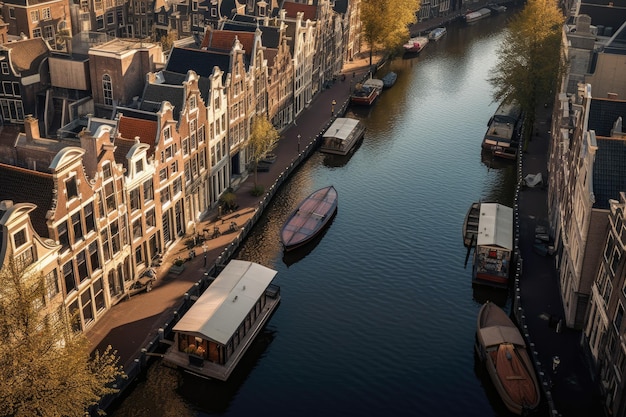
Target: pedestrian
(332, 107)
(192, 254)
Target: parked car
(144, 283)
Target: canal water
(379, 317)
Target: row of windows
(82, 222)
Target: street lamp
(299, 143)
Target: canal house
(214, 334)
(494, 244)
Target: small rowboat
(501, 347)
(310, 218)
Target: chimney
(611, 96)
(31, 128)
(5, 205)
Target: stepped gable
(27, 55)
(201, 62)
(22, 185)
(292, 9)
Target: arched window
(107, 88)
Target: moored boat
(470, 225)
(213, 335)
(309, 218)
(389, 79)
(477, 15)
(503, 131)
(416, 44)
(437, 33)
(341, 137)
(367, 92)
(494, 245)
(501, 347)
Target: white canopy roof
(222, 307)
(341, 128)
(495, 226)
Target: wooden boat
(477, 15)
(503, 131)
(389, 79)
(470, 225)
(341, 137)
(367, 92)
(437, 33)
(500, 345)
(309, 218)
(214, 334)
(416, 44)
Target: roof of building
(22, 185)
(603, 114)
(131, 127)
(223, 306)
(154, 94)
(27, 54)
(292, 9)
(225, 39)
(603, 14)
(609, 171)
(202, 62)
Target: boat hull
(500, 345)
(477, 15)
(310, 217)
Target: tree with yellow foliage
(385, 23)
(45, 368)
(529, 59)
(263, 139)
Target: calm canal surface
(379, 318)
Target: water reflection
(297, 254)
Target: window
(74, 314)
(134, 199)
(90, 223)
(192, 102)
(48, 33)
(185, 146)
(109, 17)
(12, 12)
(106, 249)
(115, 237)
(167, 132)
(68, 276)
(81, 263)
(107, 89)
(139, 166)
(77, 226)
(161, 19)
(163, 175)
(51, 281)
(45, 13)
(109, 193)
(137, 229)
(34, 16)
(178, 185)
(150, 218)
(94, 259)
(165, 195)
(106, 171)
(64, 239)
(70, 188)
(98, 294)
(19, 238)
(85, 300)
(148, 191)
(5, 67)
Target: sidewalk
(573, 391)
(130, 325)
